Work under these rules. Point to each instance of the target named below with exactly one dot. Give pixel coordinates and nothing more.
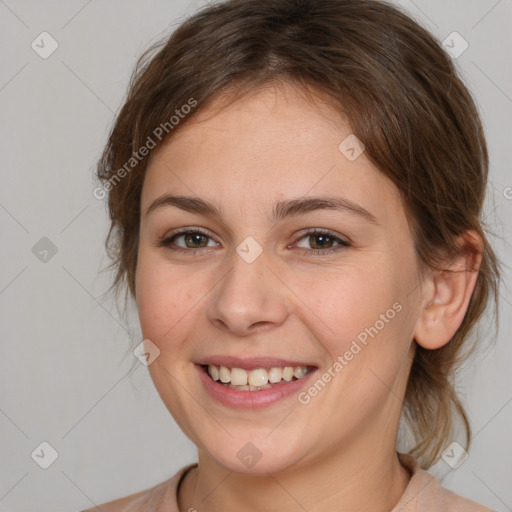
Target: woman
(295, 189)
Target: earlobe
(447, 294)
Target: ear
(446, 294)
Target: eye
(322, 242)
(191, 238)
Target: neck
(353, 480)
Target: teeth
(275, 375)
(288, 373)
(224, 374)
(256, 388)
(299, 372)
(238, 378)
(241, 388)
(258, 377)
(214, 372)
(249, 388)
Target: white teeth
(214, 372)
(288, 373)
(224, 374)
(241, 388)
(275, 375)
(249, 388)
(260, 378)
(299, 372)
(239, 377)
(257, 388)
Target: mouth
(255, 378)
(253, 382)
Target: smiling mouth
(257, 379)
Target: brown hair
(404, 100)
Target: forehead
(269, 145)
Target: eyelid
(323, 231)
(343, 241)
(343, 244)
(166, 239)
(188, 229)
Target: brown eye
(187, 241)
(195, 238)
(322, 242)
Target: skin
(338, 451)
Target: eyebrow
(281, 209)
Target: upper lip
(251, 363)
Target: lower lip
(252, 399)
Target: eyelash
(343, 244)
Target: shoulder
(152, 499)
(129, 503)
(425, 493)
(133, 502)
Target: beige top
(423, 494)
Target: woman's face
(255, 285)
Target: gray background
(63, 364)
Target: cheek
(347, 301)
(163, 299)
(361, 314)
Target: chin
(252, 455)
(254, 463)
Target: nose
(249, 298)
